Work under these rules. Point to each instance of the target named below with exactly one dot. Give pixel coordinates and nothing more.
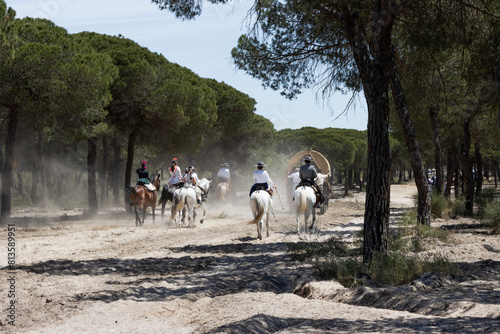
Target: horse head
(156, 181)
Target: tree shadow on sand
(264, 324)
(245, 268)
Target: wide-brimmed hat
(225, 164)
(260, 164)
(144, 163)
(307, 158)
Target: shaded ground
(108, 276)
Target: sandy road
(108, 276)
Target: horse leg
(153, 208)
(267, 223)
(144, 209)
(297, 216)
(313, 218)
(259, 229)
(137, 219)
(204, 213)
(162, 210)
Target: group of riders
(305, 176)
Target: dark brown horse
(167, 194)
(142, 198)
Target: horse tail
(259, 216)
(164, 194)
(178, 204)
(303, 202)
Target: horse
(184, 200)
(321, 179)
(167, 194)
(222, 191)
(205, 185)
(305, 199)
(142, 198)
(261, 205)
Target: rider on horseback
(223, 173)
(191, 178)
(261, 179)
(307, 175)
(175, 175)
(143, 174)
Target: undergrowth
(402, 263)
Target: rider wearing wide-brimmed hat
(261, 179)
(223, 173)
(308, 175)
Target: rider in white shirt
(261, 179)
(223, 173)
(175, 174)
(295, 176)
(191, 179)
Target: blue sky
(202, 45)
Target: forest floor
(106, 275)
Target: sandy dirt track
(108, 276)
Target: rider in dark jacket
(143, 174)
(308, 175)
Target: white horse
(205, 185)
(261, 205)
(222, 191)
(185, 201)
(321, 179)
(178, 202)
(305, 199)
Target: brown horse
(142, 198)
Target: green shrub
(346, 271)
(390, 268)
(409, 234)
(457, 208)
(486, 197)
(438, 204)
(396, 268)
(492, 214)
(306, 250)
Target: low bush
(492, 215)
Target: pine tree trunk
(128, 167)
(424, 197)
(449, 174)
(479, 169)
(92, 190)
(103, 177)
(437, 150)
(37, 170)
(373, 63)
(346, 185)
(467, 169)
(115, 178)
(6, 197)
(497, 81)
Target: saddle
(148, 186)
(262, 187)
(310, 183)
